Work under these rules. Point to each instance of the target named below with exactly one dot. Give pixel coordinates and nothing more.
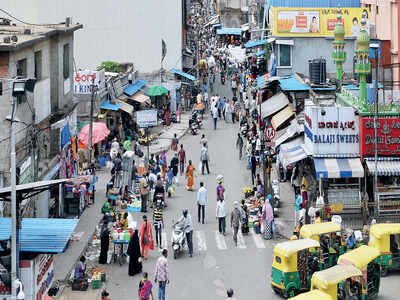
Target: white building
(122, 31)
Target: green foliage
(109, 66)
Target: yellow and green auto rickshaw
(293, 266)
(386, 238)
(328, 234)
(339, 282)
(364, 258)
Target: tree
(109, 66)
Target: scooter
(178, 239)
(276, 193)
(193, 126)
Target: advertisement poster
(146, 118)
(293, 22)
(84, 80)
(298, 21)
(388, 137)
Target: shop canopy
(41, 235)
(110, 106)
(218, 25)
(156, 90)
(385, 167)
(141, 98)
(264, 80)
(289, 132)
(132, 89)
(273, 105)
(213, 20)
(338, 168)
(251, 44)
(290, 154)
(291, 84)
(260, 53)
(183, 74)
(230, 31)
(125, 106)
(282, 116)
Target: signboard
(146, 118)
(83, 81)
(270, 133)
(44, 274)
(315, 21)
(331, 131)
(388, 136)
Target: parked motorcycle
(193, 127)
(276, 193)
(178, 239)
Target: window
(21, 68)
(278, 259)
(66, 61)
(38, 65)
(285, 56)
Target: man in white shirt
(214, 111)
(186, 220)
(247, 106)
(201, 202)
(221, 215)
(114, 149)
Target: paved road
(217, 264)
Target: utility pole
(34, 158)
(376, 126)
(91, 125)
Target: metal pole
(14, 261)
(376, 125)
(91, 127)
(148, 147)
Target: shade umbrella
(156, 91)
(99, 133)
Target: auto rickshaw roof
(289, 248)
(380, 230)
(313, 295)
(334, 275)
(359, 257)
(310, 230)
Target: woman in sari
(146, 237)
(190, 176)
(245, 218)
(268, 218)
(135, 261)
(145, 287)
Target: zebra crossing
(208, 240)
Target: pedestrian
(253, 164)
(233, 112)
(104, 295)
(117, 170)
(182, 159)
(220, 188)
(299, 206)
(186, 220)
(201, 202)
(247, 106)
(159, 190)
(146, 237)
(221, 215)
(145, 288)
(233, 85)
(158, 223)
(175, 164)
(104, 243)
(127, 144)
(161, 274)
(228, 110)
(268, 218)
(190, 176)
(229, 292)
(144, 191)
(204, 158)
(135, 255)
(317, 217)
(236, 216)
(222, 104)
(174, 143)
(245, 218)
(203, 140)
(239, 145)
(215, 114)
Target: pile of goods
(254, 204)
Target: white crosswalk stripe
(201, 240)
(240, 240)
(257, 239)
(220, 240)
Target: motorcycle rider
(186, 221)
(159, 190)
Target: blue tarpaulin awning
(41, 235)
(251, 44)
(107, 105)
(291, 84)
(217, 25)
(132, 89)
(233, 31)
(338, 168)
(260, 53)
(186, 75)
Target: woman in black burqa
(135, 262)
(105, 242)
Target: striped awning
(385, 168)
(338, 168)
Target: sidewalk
(64, 263)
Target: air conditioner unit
(7, 40)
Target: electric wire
(23, 22)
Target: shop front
(332, 136)
(387, 165)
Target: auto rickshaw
(293, 266)
(364, 259)
(339, 282)
(386, 239)
(328, 234)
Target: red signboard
(388, 137)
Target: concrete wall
(306, 49)
(123, 31)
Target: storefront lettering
(336, 138)
(336, 124)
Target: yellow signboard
(292, 22)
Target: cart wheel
(384, 271)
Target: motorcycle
(193, 127)
(159, 199)
(178, 239)
(196, 119)
(276, 193)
